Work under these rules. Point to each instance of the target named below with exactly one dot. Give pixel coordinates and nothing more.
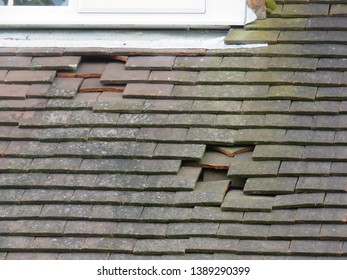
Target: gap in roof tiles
(216, 163)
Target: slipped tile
(55, 63)
(116, 74)
(204, 194)
(237, 201)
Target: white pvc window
(121, 13)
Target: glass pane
(3, 2)
(37, 2)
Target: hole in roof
(216, 162)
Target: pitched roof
(180, 154)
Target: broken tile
(214, 160)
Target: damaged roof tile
(180, 153)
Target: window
(121, 13)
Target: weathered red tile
(15, 133)
(147, 90)
(10, 118)
(64, 88)
(8, 51)
(55, 63)
(87, 51)
(38, 90)
(177, 77)
(27, 104)
(27, 76)
(89, 96)
(44, 51)
(12, 91)
(121, 58)
(14, 62)
(3, 147)
(3, 74)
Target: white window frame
(78, 14)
